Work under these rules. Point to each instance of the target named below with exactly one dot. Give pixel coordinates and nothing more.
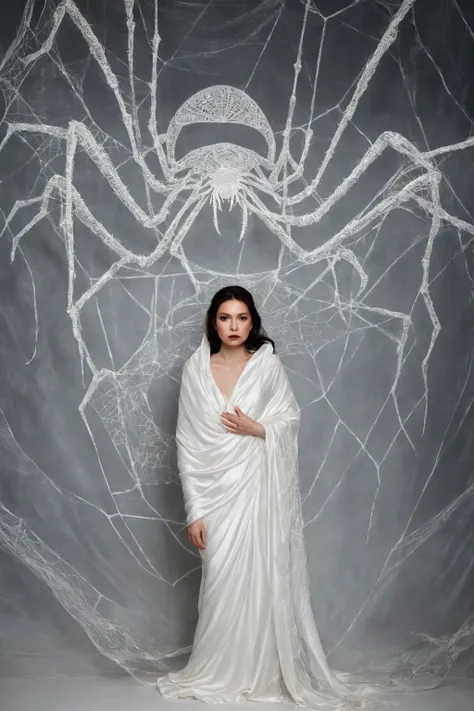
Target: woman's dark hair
(257, 336)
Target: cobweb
(122, 178)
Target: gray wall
(97, 572)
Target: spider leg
(147, 260)
(268, 218)
(70, 8)
(263, 186)
(387, 139)
(81, 212)
(425, 287)
(199, 202)
(177, 237)
(340, 253)
(75, 205)
(94, 150)
(129, 5)
(279, 165)
(359, 223)
(58, 183)
(77, 133)
(173, 236)
(388, 38)
(68, 191)
(152, 123)
(429, 181)
(298, 167)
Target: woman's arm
(242, 424)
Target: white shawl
(214, 463)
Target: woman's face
(233, 322)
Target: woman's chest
(226, 378)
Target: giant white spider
(226, 172)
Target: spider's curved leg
(428, 181)
(59, 184)
(386, 41)
(78, 134)
(280, 163)
(129, 6)
(335, 246)
(385, 140)
(174, 231)
(19, 205)
(153, 120)
(175, 242)
(142, 260)
(70, 8)
(425, 287)
(440, 214)
(82, 213)
(388, 38)
(176, 249)
(256, 206)
(360, 222)
(12, 128)
(297, 166)
(263, 186)
(363, 220)
(76, 207)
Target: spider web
(139, 205)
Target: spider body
(224, 172)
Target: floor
(112, 693)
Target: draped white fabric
(256, 638)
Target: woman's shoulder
(274, 362)
(277, 366)
(188, 362)
(274, 357)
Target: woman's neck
(233, 355)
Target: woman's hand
(197, 534)
(242, 424)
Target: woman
(237, 455)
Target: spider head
(226, 184)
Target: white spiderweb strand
(273, 188)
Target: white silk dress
(255, 639)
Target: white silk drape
(256, 638)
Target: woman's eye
(224, 318)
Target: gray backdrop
(356, 242)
